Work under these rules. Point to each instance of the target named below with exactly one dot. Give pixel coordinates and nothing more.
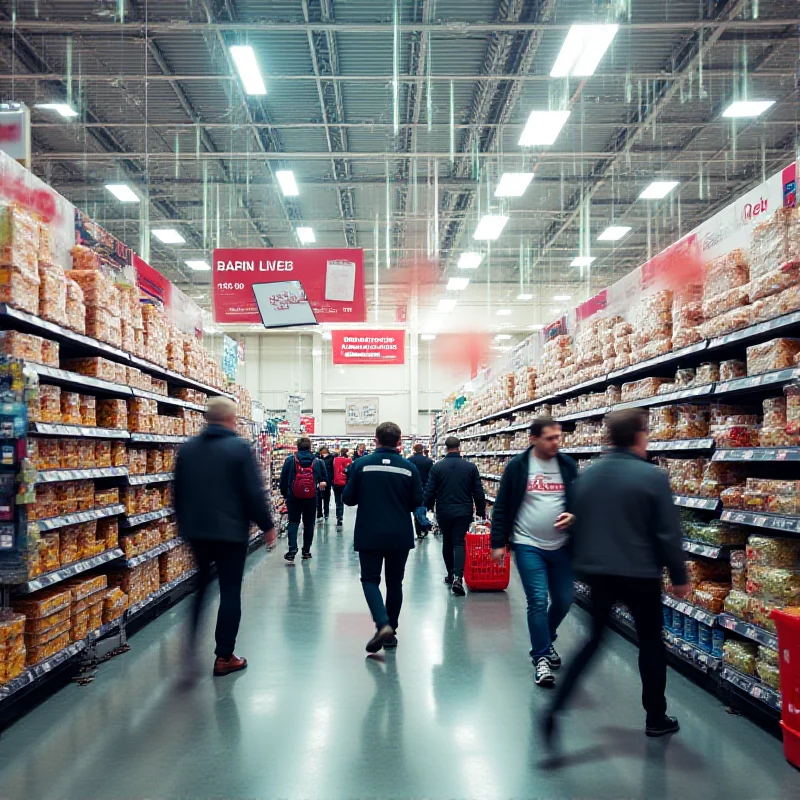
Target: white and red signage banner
(280, 288)
(369, 347)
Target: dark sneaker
(662, 727)
(290, 555)
(225, 666)
(385, 634)
(448, 580)
(390, 643)
(554, 658)
(458, 587)
(306, 554)
(544, 675)
(339, 523)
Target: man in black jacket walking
(387, 489)
(422, 463)
(455, 490)
(532, 515)
(627, 528)
(218, 493)
(324, 495)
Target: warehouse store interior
(299, 219)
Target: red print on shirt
(540, 484)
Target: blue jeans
(393, 563)
(543, 573)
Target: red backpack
(304, 486)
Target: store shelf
(691, 653)
(752, 687)
(138, 608)
(70, 571)
(681, 444)
(147, 516)
(691, 610)
(667, 358)
(488, 453)
(166, 400)
(586, 414)
(757, 454)
(700, 503)
(155, 552)
(174, 377)
(54, 429)
(155, 438)
(104, 630)
(587, 449)
(79, 382)
(775, 522)
(706, 550)
(754, 382)
(749, 631)
(53, 523)
(156, 477)
(59, 475)
(663, 399)
(745, 336)
(39, 671)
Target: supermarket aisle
(451, 714)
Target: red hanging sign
(368, 347)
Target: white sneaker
(544, 675)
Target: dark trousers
(229, 558)
(324, 500)
(372, 561)
(298, 510)
(642, 596)
(337, 496)
(453, 533)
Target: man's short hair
(452, 443)
(624, 426)
(304, 443)
(219, 409)
(540, 423)
(388, 434)
(418, 448)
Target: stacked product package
(19, 259)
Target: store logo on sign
(753, 209)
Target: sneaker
(327, 516)
(662, 727)
(544, 675)
(290, 555)
(339, 523)
(319, 517)
(554, 658)
(306, 555)
(458, 587)
(390, 643)
(448, 579)
(225, 666)
(385, 634)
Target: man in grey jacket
(627, 528)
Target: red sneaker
(224, 666)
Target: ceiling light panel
(582, 50)
(582, 261)
(123, 192)
(503, 337)
(513, 184)
(613, 233)
(470, 260)
(168, 236)
(490, 227)
(524, 297)
(562, 297)
(457, 284)
(747, 108)
(306, 235)
(503, 312)
(658, 190)
(543, 128)
(446, 305)
(198, 265)
(245, 59)
(287, 182)
(63, 109)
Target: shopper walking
(218, 493)
(386, 488)
(532, 515)
(455, 492)
(422, 463)
(341, 466)
(361, 451)
(302, 476)
(626, 530)
(324, 493)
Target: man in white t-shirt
(532, 517)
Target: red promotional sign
(369, 347)
(152, 283)
(280, 288)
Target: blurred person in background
(387, 489)
(455, 491)
(361, 450)
(341, 467)
(423, 465)
(218, 493)
(302, 476)
(532, 515)
(627, 529)
(324, 494)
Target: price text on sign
(368, 347)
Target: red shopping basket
(481, 574)
(788, 625)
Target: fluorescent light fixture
(513, 184)
(747, 108)
(457, 284)
(490, 227)
(447, 305)
(562, 297)
(245, 59)
(524, 297)
(428, 337)
(582, 261)
(64, 109)
(657, 190)
(582, 50)
(327, 335)
(543, 128)
(288, 185)
(306, 235)
(503, 312)
(470, 260)
(198, 265)
(168, 236)
(123, 192)
(503, 337)
(613, 233)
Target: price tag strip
(774, 522)
(689, 652)
(52, 429)
(700, 614)
(489, 477)
(700, 503)
(78, 517)
(157, 438)
(34, 673)
(752, 687)
(69, 571)
(681, 444)
(753, 331)
(673, 355)
(156, 477)
(756, 381)
(59, 475)
(147, 516)
(749, 631)
(701, 549)
(155, 552)
(757, 454)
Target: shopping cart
(481, 574)
(284, 523)
(788, 625)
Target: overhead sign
(360, 415)
(279, 288)
(230, 356)
(368, 347)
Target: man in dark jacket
(386, 488)
(455, 490)
(532, 515)
(218, 493)
(324, 495)
(422, 463)
(301, 508)
(627, 529)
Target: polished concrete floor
(451, 714)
